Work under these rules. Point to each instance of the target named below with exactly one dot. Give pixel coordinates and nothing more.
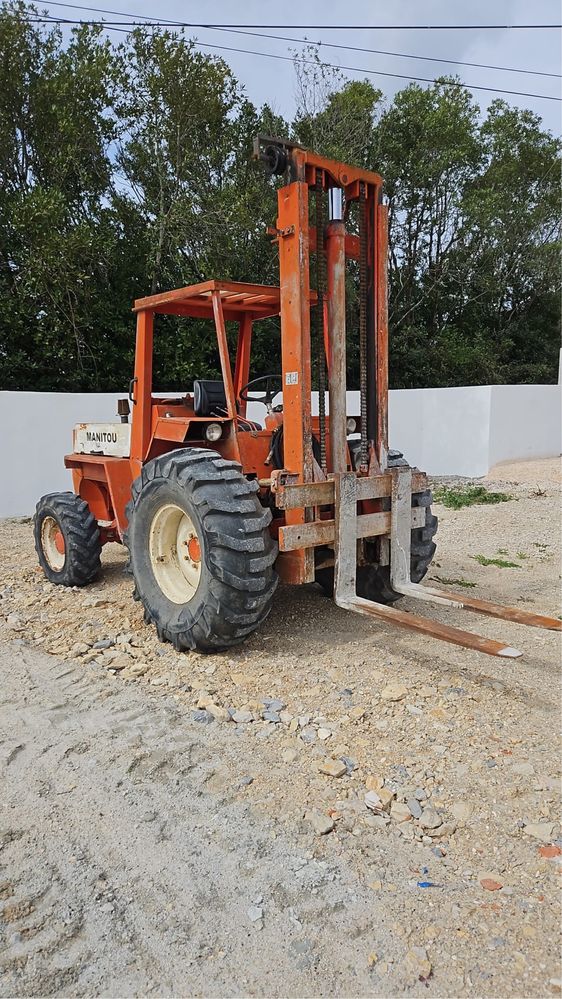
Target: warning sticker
(292, 378)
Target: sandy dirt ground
(159, 835)
(540, 472)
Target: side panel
(106, 484)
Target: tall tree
(56, 128)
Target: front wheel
(67, 539)
(201, 553)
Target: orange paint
(194, 550)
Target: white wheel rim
(50, 532)
(175, 553)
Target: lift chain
(319, 325)
(364, 453)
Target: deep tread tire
(237, 581)
(80, 531)
(373, 581)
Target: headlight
(213, 432)
(351, 425)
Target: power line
(330, 45)
(272, 55)
(351, 27)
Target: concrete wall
(524, 422)
(448, 431)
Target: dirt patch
(455, 752)
(540, 471)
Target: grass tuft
(500, 562)
(454, 582)
(456, 498)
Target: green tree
(56, 236)
(186, 173)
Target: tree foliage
(125, 169)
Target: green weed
(500, 562)
(522, 556)
(467, 496)
(453, 582)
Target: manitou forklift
(213, 506)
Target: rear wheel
(200, 550)
(67, 539)
(373, 581)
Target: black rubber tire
(373, 581)
(237, 583)
(80, 531)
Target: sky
(273, 81)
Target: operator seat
(209, 399)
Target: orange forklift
(215, 507)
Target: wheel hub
(52, 543)
(175, 553)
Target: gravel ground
(152, 843)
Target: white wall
(443, 431)
(525, 422)
(447, 431)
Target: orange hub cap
(194, 550)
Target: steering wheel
(273, 385)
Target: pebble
(350, 764)
(202, 716)
(103, 643)
(324, 733)
(137, 669)
(79, 649)
(255, 913)
(386, 795)
(333, 768)
(271, 716)
(490, 883)
(119, 663)
(273, 704)
(308, 735)
(415, 807)
(218, 712)
(289, 755)
(322, 824)
(420, 793)
(242, 717)
(539, 830)
(394, 692)
(357, 713)
(429, 819)
(14, 622)
(400, 812)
